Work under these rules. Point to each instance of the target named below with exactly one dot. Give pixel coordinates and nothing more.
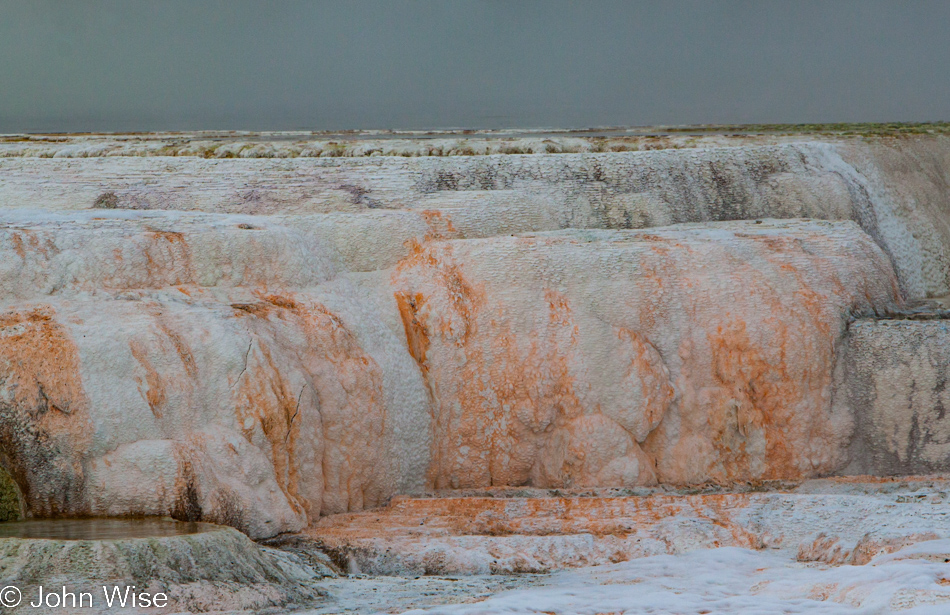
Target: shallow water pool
(100, 529)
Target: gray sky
(96, 65)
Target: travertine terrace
(197, 566)
(267, 331)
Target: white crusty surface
(895, 188)
(232, 369)
(505, 531)
(679, 354)
(727, 580)
(281, 334)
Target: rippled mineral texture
(504, 531)
(679, 354)
(197, 569)
(184, 384)
(277, 335)
(897, 374)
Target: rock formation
(679, 354)
(505, 531)
(897, 373)
(196, 568)
(262, 342)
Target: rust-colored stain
(259, 309)
(440, 225)
(514, 393)
(559, 312)
(436, 261)
(508, 409)
(752, 345)
(27, 241)
(831, 550)
(756, 376)
(410, 311)
(281, 301)
(154, 392)
(823, 591)
(754, 396)
(44, 418)
(268, 304)
(648, 366)
(168, 259)
(173, 237)
(155, 387)
(541, 516)
(17, 240)
(270, 401)
(338, 388)
(181, 347)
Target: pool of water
(100, 529)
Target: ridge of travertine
(214, 568)
(262, 342)
(895, 188)
(458, 142)
(264, 407)
(831, 521)
(285, 146)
